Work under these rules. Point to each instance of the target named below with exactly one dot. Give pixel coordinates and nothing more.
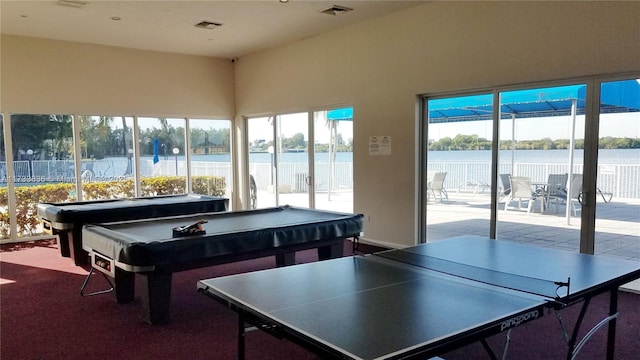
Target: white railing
(622, 180)
(295, 175)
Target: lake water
(284, 157)
(605, 156)
(111, 167)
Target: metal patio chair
(556, 186)
(436, 187)
(572, 199)
(505, 188)
(520, 192)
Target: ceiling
(168, 26)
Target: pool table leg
(125, 282)
(285, 259)
(74, 246)
(331, 252)
(156, 296)
(63, 243)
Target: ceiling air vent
(79, 4)
(336, 9)
(207, 25)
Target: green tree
(295, 142)
(46, 135)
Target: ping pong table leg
(576, 328)
(488, 349)
(613, 309)
(611, 320)
(241, 333)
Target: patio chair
(505, 188)
(436, 187)
(520, 192)
(556, 185)
(574, 199)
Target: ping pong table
(421, 301)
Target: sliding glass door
(292, 159)
(457, 175)
(279, 160)
(283, 147)
(558, 164)
(333, 159)
(262, 162)
(541, 152)
(617, 187)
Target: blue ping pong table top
(371, 307)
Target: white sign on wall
(380, 145)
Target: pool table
(66, 219)
(149, 249)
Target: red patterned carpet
(43, 316)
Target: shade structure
(615, 97)
(343, 114)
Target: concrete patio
(617, 223)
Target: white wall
(381, 65)
(48, 76)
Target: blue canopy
(344, 114)
(619, 96)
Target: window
(162, 158)
(106, 147)
(210, 162)
(43, 165)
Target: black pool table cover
(146, 243)
(69, 215)
(147, 249)
(67, 219)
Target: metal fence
(622, 180)
(295, 176)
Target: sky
(260, 128)
(558, 127)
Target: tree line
(51, 137)
(47, 137)
(297, 142)
(475, 142)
